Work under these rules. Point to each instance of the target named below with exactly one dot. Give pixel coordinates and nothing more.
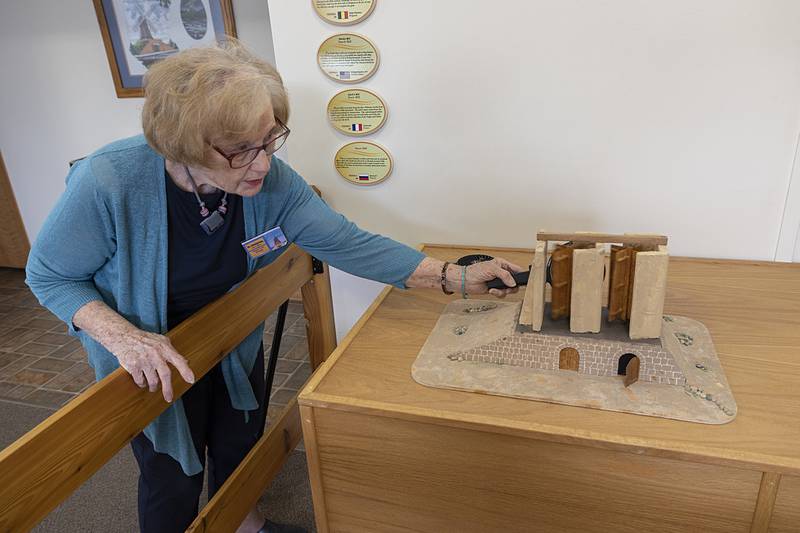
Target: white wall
(673, 117)
(788, 248)
(57, 102)
(677, 117)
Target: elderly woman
(150, 229)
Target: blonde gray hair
(202, 94)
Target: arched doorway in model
(568, 359)
(629, 367)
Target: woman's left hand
(479, 274)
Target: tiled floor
(41, 365)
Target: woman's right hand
(145, 356)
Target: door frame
(630, 371)
(14, 243)
(569, 358)
(788, 246)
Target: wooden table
(387, 454)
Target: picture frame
(137, 33)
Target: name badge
(268, 241)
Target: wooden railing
(47, 464)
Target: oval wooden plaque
(343, 12)
(348, 58)
(363, 163)
(356, 112)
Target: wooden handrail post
(318, 309)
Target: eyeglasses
(243, 158)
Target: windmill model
(601, 341)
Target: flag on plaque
(363, 177)
(356, 127)
(344, 75)
(342, 15)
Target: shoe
(274, 527)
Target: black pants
(168, 498)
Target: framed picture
(137, 33)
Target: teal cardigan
(106, 239)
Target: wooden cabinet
(387, 454)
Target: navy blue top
(201, 267)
